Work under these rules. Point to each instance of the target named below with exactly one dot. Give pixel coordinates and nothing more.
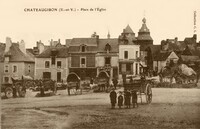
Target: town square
(100, 65)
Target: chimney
(22, 46)
(58, 40)
(40, 46)
(8, 44)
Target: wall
(131, 51)
(100, 61)
(40, 68)
(18, 74)
(32, 69)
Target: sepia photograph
(100, 64)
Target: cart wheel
(148, 93)
(9, 92)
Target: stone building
(107, 56)
(82, 53)
(14, 61)
(129, 53)
(52, 64)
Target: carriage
(142, 86)
(73, 84)
(17, 87)
(102, 81)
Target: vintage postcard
(100, 64)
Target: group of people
(123, 99)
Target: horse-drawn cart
(102, 81)
(17, 87)
(73, 84)
(142, 86)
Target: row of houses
(87, 57)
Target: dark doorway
(46, 75)
(58, 76)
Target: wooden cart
(73, 84)
(142, 87)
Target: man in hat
(120, 100)
(134, 98)
(113, 98)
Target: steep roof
(144, 33)
(161, 56)
(128, 30)
(62, 52)
(16, 55)
(189, 40)
(112, 42)
(85, 41)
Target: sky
(166, 19)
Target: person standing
(113, 98)
(120, 100)
(115, 82)
(134, 99)
(127, 97)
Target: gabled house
(162, 59)
(14, 61)
(129, 53)
(52, 63)
(82, 53)
(107, 57)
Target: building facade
(129, 53)
(82, 53)
(14, 61)
(52, 64)
(107, 57)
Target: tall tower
(144, 37)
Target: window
(14, 69)
(47, 64)
(6, 79)
(107, 60)
(58, 76)
(58, 64)
(53, 60)
(128, 67)
(29, 68)
(107, 47)
(136, 68)
(46, 75)
(125, 54)
(83, 61)
(136, 54)
(82, 48)
(6, 69)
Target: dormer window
(107, 47)
(83, 48)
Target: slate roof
(189, 58)
(155, 48)
(112, 42)
(161, 56)
(62, 52)
(144, 33)
(85, 41)
(190, 40)
(128, 30)
(16, 55)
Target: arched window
(83, 48)
(107, 47)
